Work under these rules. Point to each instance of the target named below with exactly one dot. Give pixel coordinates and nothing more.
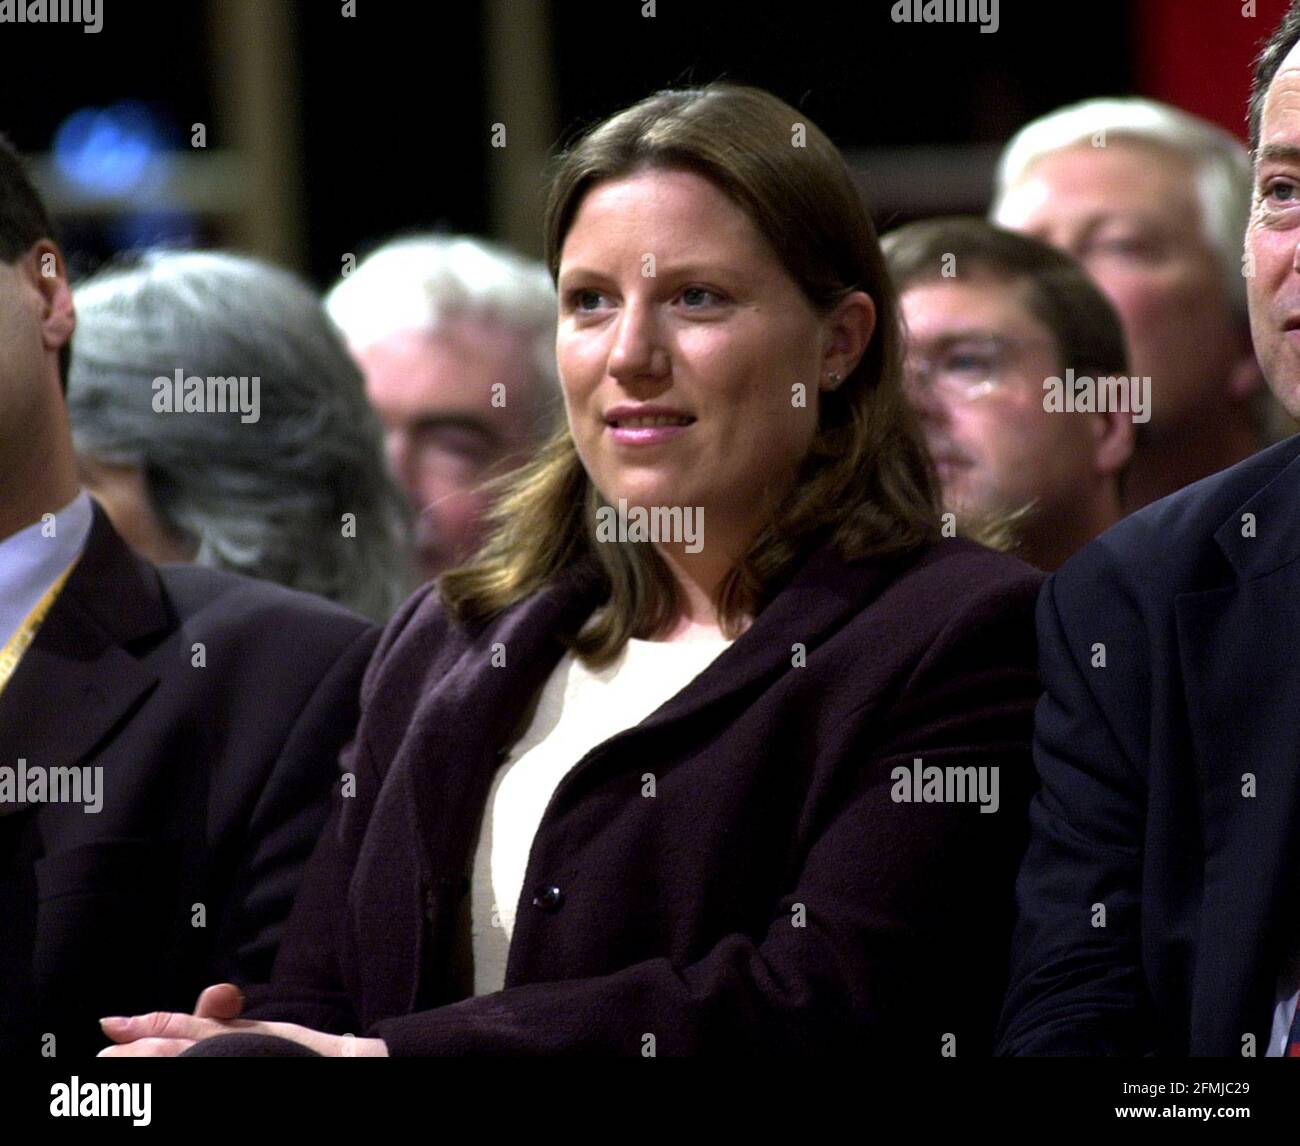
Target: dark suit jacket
(771, 897)
(1147, 767)
(215, 780)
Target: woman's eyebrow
(698, 267)
(694, 266)
(580, 272)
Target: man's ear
(46, 273)
(1114, 437)
(1245, 378)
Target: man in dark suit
(1159, 906)
(168, 737)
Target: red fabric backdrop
(1197, 54)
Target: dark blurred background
(324, 133)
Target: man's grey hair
(266, 498)
(422, 282)
(1221, 163)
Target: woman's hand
(165, 1034)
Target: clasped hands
(165, 1034)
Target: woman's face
(672, 302)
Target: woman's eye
(699, 296)
(585, 299)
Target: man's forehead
(1129, 175)
(980, 302)
(1281, 115)
(1291, 61)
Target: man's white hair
(1221, 163)
(425, 281)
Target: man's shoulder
(132, 601)
(1171, 546)
(230, 603)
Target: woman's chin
(645, 496)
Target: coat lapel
(77, 680)
(823, 594)
(463, 724)
(1241, 678)
(453, 718)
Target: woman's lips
(948, 466)
(647, 435)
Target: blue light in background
(113, 150)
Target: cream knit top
(576, 710)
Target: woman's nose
(638, 350)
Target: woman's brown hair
(866, 484)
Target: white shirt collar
(32, 559)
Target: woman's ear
(849, 328)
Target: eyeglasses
(968, 367)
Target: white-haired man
(1154, 203)
(456, 339)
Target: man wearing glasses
(997, 325)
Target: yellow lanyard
(18, 644)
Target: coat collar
(78, 678)
(447, 732)
(1263, 533)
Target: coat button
(548, 897)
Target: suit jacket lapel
(1241, 677)
(77, 680)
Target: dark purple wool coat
(772, 897)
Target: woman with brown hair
(719, 745)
